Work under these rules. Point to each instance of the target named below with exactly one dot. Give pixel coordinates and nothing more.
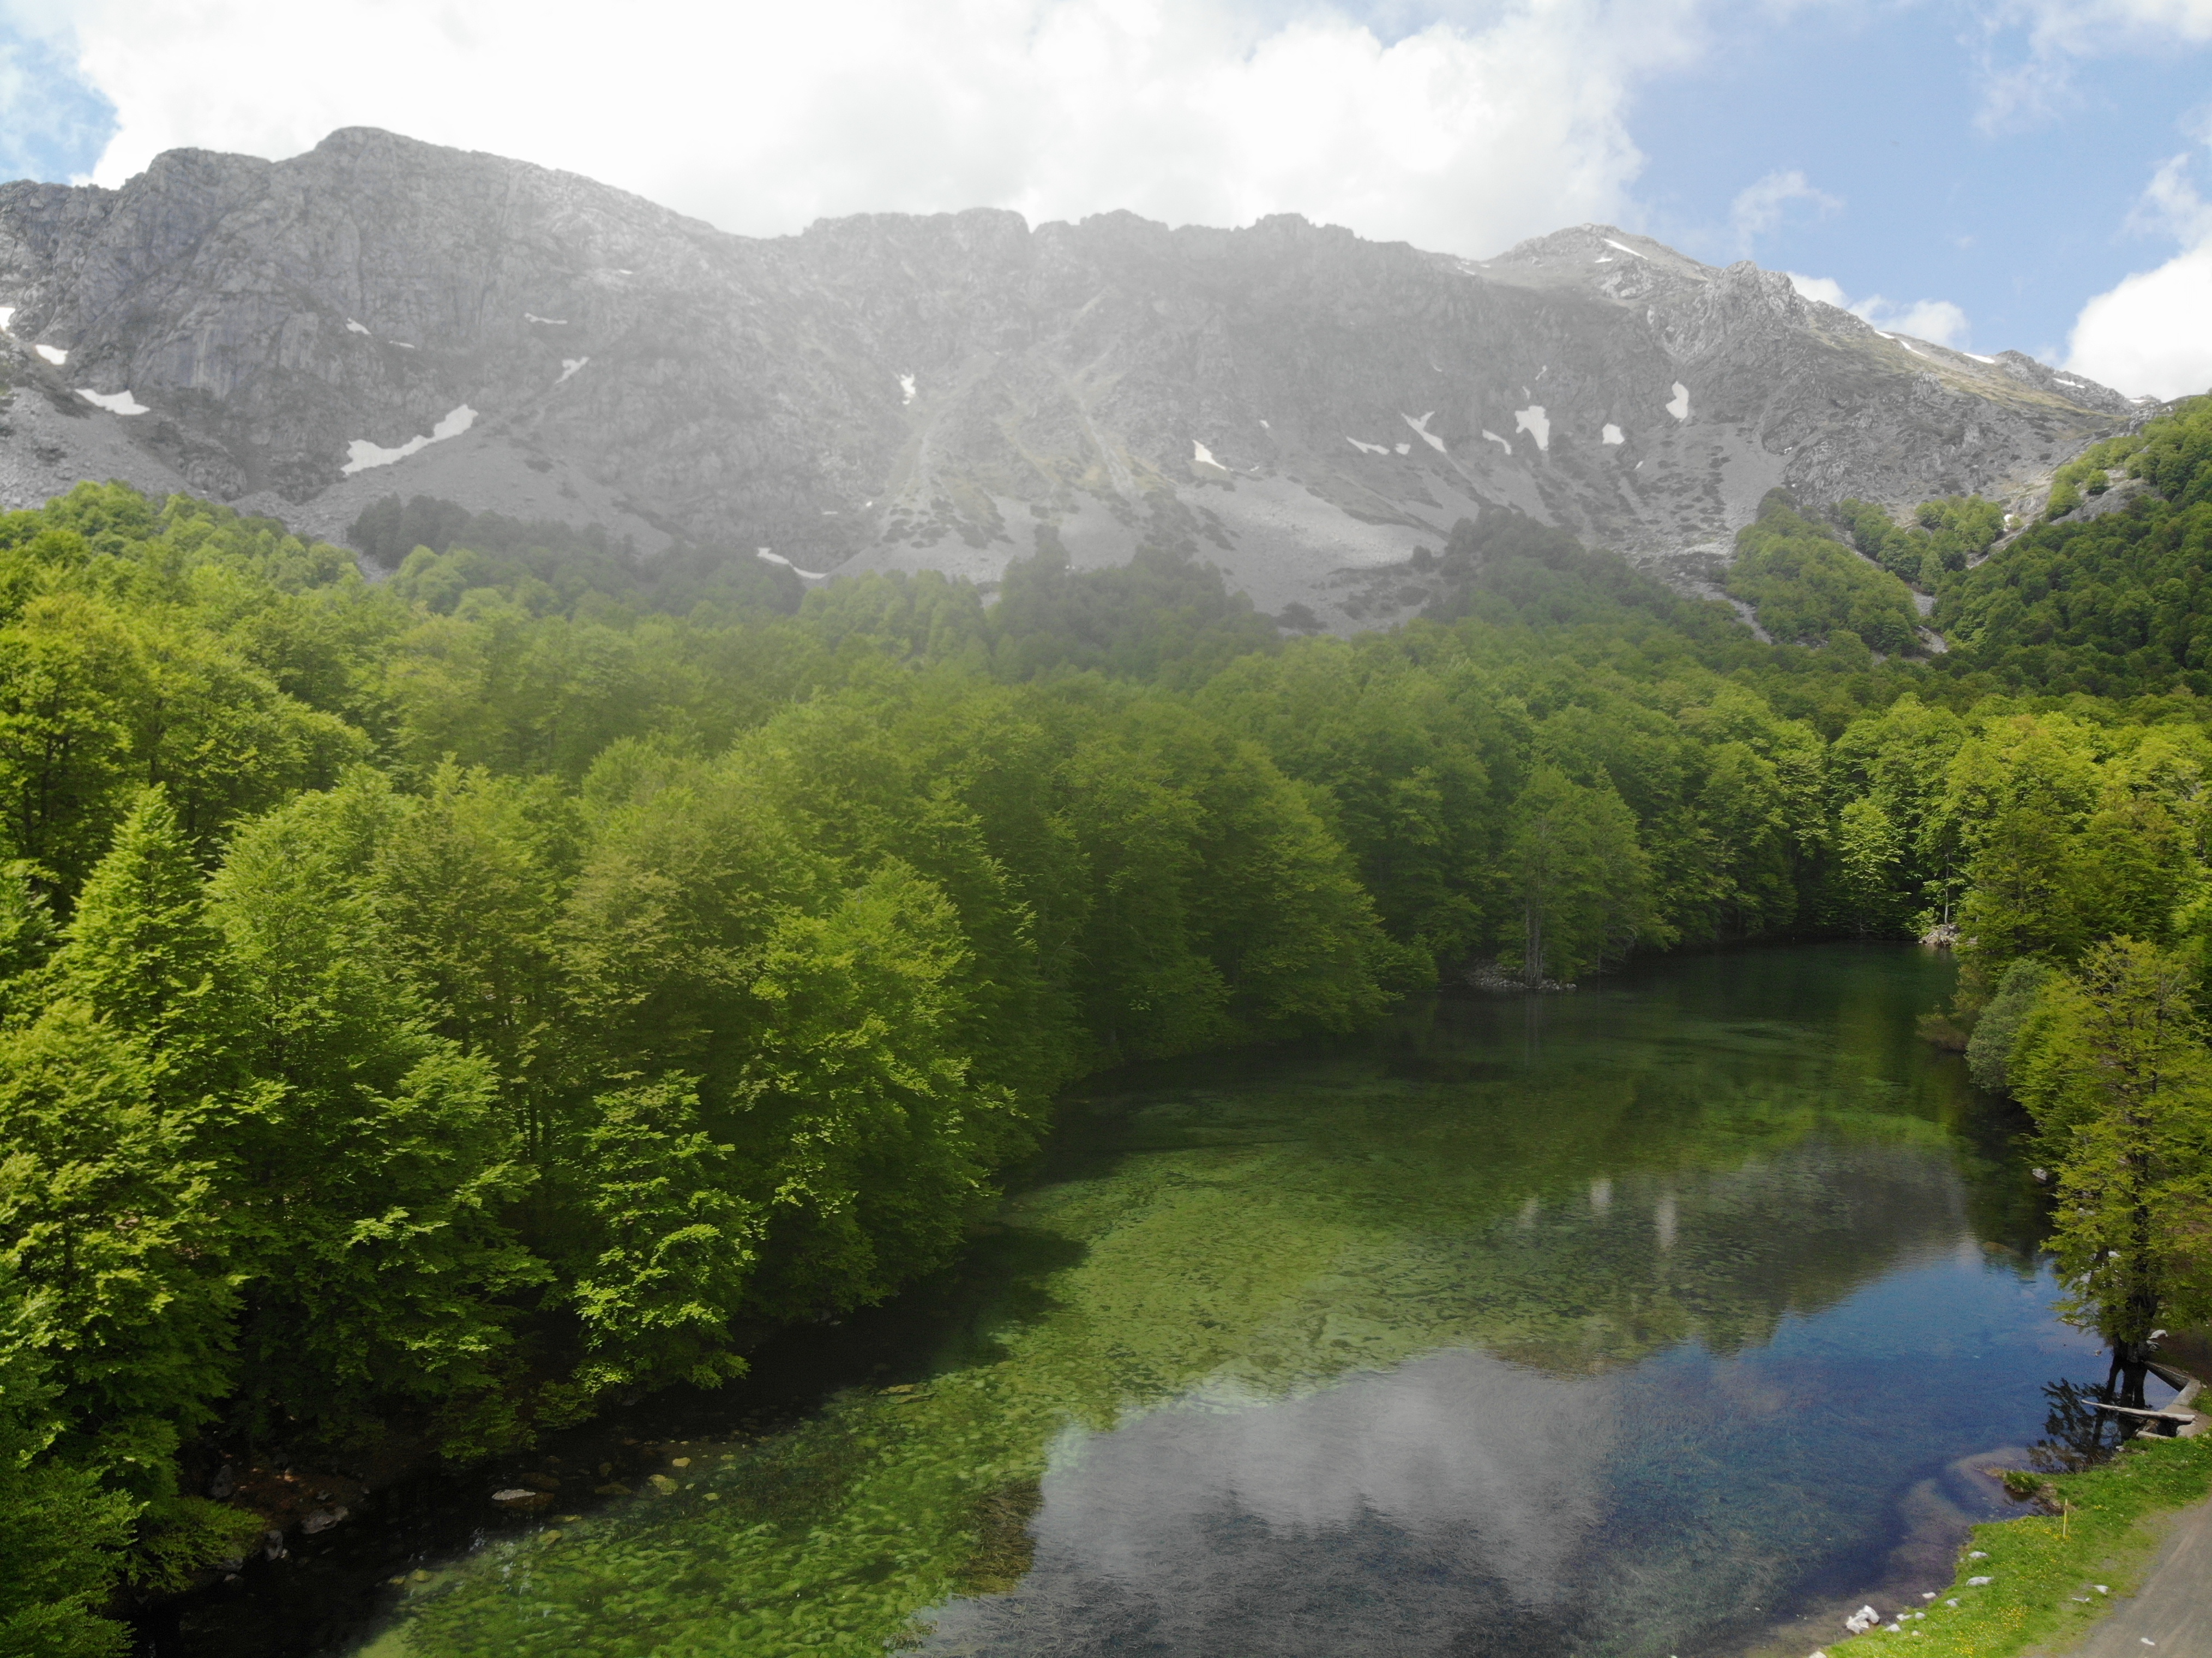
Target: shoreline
(2046, 1584)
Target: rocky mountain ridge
(383, 316)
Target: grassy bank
(2044, 1571)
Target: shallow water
(1640, 1321)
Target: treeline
(2112, 605)
(2085, 939)
(1807, 587)
(1943, 538)
(433, 1006)
(2067, 843)
(440, 1021)
(436, 1005)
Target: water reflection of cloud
(1438, 1508)
(1494, 1461)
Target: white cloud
(2055, 34)
(760, 117)
(2171, 205)
(1760, 207)
(1825, 289)
(42, 108)
(2084, 26)
(2151, 335)
(1938, 321)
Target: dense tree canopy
(1807, 587)
(429, 1007)
(2109, 602)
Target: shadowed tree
(2114, 1067)
(1581, 882)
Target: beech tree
(1581, 881)
(2113, 1065)
(61, 1533)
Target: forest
(432, 1008)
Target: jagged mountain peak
(1579, 255)
(381, 315)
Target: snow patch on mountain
(569, 366)
(1534, 421)
(1506, 444)
(1625, 248)
(1679, 405)
(766, 556)
(7, 316)
(1202, 455)
(52, 354)
(116, 402)
(1367, 449)
(362, 454)
(1611, 434)
(353, 327)
(549, 322)
(906, 390)
(1421, 429)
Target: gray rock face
(381, 316)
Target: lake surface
(1654, 1319)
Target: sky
(1991, 174)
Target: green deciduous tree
(1806, 585)
(1578, 879)
(110, 1222)
(665, 1244)
(62, 1533)
(2114, 1067)
(869, 1143)
(375, 1164)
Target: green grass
(2038, 1566)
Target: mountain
(381, 316)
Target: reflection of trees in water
(2076, 1434)
(1575, 1182)
(1720, 1256)
(1571, 1183)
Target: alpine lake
(1668, 1318)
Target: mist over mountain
(382, 316)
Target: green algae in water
(1605, 1324)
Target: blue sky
(56, 124)
(2016, 215)
(1977, 171)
